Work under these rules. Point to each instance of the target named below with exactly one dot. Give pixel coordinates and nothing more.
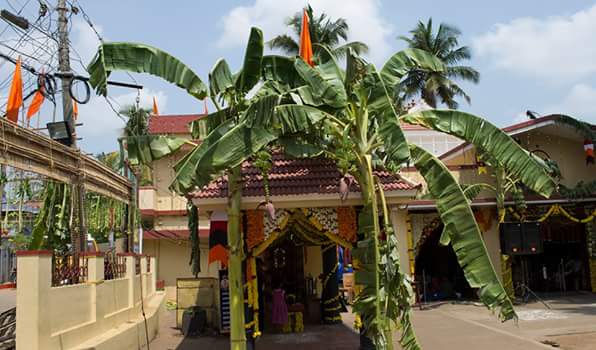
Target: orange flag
(36, 103)
(305, 43)
(155, 111)
(75, 110)
(15, 97)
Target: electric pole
(78, 232)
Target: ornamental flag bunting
(589, 149)
(305, 43)
(15, 97)
(218, 238)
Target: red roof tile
(296, 177)
(171, 124)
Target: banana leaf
(236, 146)
(404, 61)
(144, 149)
(297, 148)
(200, 128)
(325, 86)
(464, 234)
(292, 119)
(140, 58)
(280, 69)
(261, 112)
(516, 161)
(220, 78)
(186, 168)
(251, 68)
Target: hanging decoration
(411, 256)
(252, 294)
(427, 231)
(347, 224)
(218, 238)
(193, 226)
(589, 150)
(255, 228)
(555, 209)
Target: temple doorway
(438, 274)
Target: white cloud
(579, 103)
(561, 47)
(363, 16)
(85, 40)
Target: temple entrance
(297, 272)
(438, 274)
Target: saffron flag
(218, 238)
(15, 97)
(305, 43)
(75, 110)
(36, 103)
(589, 149)
(155, 111)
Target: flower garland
(255, 228)
(556, 209)
(346, 222)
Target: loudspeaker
(521, 238)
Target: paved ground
(570, 324)
(8, 299)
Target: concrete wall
(172, 261)
(96, 314)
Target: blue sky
(538, 55)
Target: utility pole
(78, 232)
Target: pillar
(34, 280)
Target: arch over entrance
(436, 268)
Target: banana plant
(236, 112)
(347, 115)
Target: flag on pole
(155, 111)
(305, 43)
(75, 110)
(36, 103)
(15, 97)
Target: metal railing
(114, 266)
(69, 269)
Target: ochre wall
(314, 265)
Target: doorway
(438, 274)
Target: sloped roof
(296, 177)
(172, 124)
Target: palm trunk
(237, 334)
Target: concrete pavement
(570, 324)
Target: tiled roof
(171, 124)
(296, 177)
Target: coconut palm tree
(323, 32)
(346, 115)
(435, 86)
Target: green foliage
(147, 148)
(461, 230)
(51, 229)
(490, 140)
(141, 58)
(432, 85)
(580, 190)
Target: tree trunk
(237, 333)
(369, 218)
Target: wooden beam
(27, 150)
